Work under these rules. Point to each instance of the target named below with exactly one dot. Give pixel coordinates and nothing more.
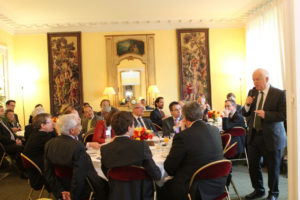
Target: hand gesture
(66, 195)
(260, 113)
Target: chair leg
(91, 196)
(41, 193)
(228, 196)
(29, 195)
(246, 157)
(2, 158)
(235, 190)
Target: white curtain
(264, 43)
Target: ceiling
(40, 16)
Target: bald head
(260, 79)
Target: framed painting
(130, 46)
(65, 78)
(193, 56)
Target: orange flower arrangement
(212, 114)
(141, 134)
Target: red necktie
(162, 113)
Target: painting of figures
(193, 54)
(65, 77)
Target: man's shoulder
(154, 111)
(276, 90)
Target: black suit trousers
(256, 150)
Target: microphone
(252, 92)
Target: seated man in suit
(231, 96)
(157, 115)
(174, 123)
(231, 119)
(13, 145)
(11, 104)
(90, 120)
(66, 151)
(123, 151)
(43, 131)
(105, 108)
(137, 112)
(196, 146)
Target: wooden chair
(158, 127)
(226, 138)
(88, 138)
(236, 132)
(216, 169)
(127, 175)
(230, 153)
(3, 152)
(29, 164)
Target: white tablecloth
(159, 152)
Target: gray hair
(66, 122)
(36, 111)
(192, 111)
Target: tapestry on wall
(193, 54)
(65, 79)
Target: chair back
(216, 169)
(230, 151)
(128, 173)
(29, 164)
(128, 179)
(237, 131)
(63, 171)
(226, 138)
(88, 138)
(158, 127)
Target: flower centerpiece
(213, 115)
(140, 133)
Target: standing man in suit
(196, 146)
(138, 112)
(123, 151)
(266, 107)
(157, 115)
(174, 123)
(90, 120)
(66, 151)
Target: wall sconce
(109, 91)
(152, 91)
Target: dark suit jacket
(167, 126)
(191, 149)
(236, 120)
(34, 149)
(93, 124)
(147, 122)
(156, 117)
(273, 124)
(126, 152)
(5, 137)
(68, 152)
